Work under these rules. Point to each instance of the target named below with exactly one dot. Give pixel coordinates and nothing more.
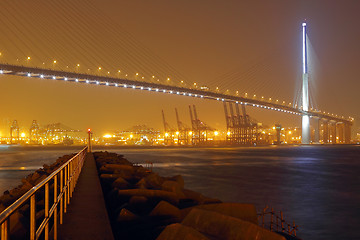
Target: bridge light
(217, 99)
(29, 74)
(177, 93)
(184, 94)
(41, 76)
(107, 84)
(116, 85)
(97, 82)
(65, 78)
(164, 91)
(54, 77)
(133, 86)
(202, 96)
(76, 80)
(157, 90)
(171, 91)
(189, 94)
(87, 81)
(222, 99)
(125, 86)
(149, 89)
(141, 88)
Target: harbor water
(318, 187)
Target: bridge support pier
(347, 134)
(316, 122)
(305, 130)
(325, 131)
(333, 132)
(340, 128)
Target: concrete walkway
(86, 216)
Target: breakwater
(143, 205)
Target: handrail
(69, 173)
(291, 228)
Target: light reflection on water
(316, 186)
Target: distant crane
(199, 128)
(14, 128)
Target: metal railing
(276, 223)
(62, 181)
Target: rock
(153, 180)
(166, 209)
(174, 187)
(17, 228)
(142, 184)
(246, 212)
(179, 179)
(178, 231)
(226, 227)
(120, 183)
(160, 194)
(109, 178)
(137, 200)
(197, 197)
(126, 215)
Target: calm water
(318, 187)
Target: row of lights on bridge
(176, 92)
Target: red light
(89, 130)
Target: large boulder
(126, 215)
(243, 211)
(166, 209)
(226, 227)
(149, 193)
(177, 178)
(120, 183)
(174, 187)
(178, 231)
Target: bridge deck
(86, 216)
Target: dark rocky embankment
(143, 205)
(19, 221)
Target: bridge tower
(305, 138)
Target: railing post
(32, 217)
(282, 222)
(62, 196)
(294, 226)
(89, 141)
(68, 183)
(47, 210)
(271, 219)
(5, 229)
(55, 210)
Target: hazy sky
(250, 46)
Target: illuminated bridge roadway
(333, 127)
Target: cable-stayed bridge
(330, 122)
(55, 41)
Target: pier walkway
(86, 216)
